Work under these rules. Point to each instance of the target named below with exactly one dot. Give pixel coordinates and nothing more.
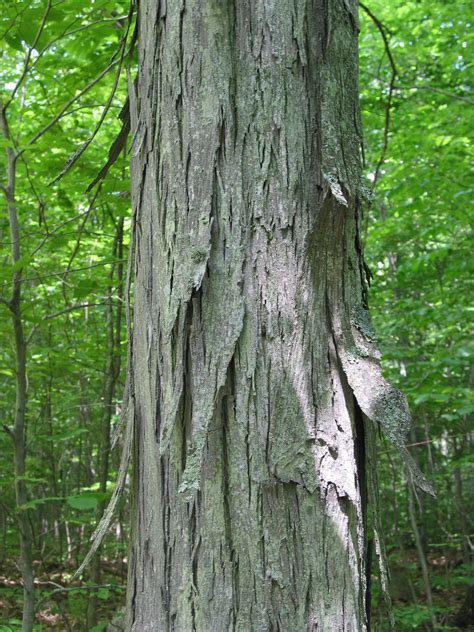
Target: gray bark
(253, 368)
(422, 560)
(112, 375)
(18, 431)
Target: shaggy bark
(253, 366)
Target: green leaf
(103, 593)
(83, 503)
(31, 504)
(14, 40)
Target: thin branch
(445, 93)
(67, 33)
(77, 154)
(28, 56)
(71, 308)
(55, 230)
(60, 114)
(116, 147)
(39, 277)
(102, 527)
(78, 241)
(66, 310)
(388, 104)
(388, 107)
(79, 234)
(8, 431)
(122, 54)
(13, 22)
(60, 588)
(4, 301)
(424, 442)
(41, 204)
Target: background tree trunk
(18, 430)
(111, 377)
(253, 364)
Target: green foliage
(70, 289)
(412, 617)
(419, 232)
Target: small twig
(8, 430)
(67, 33)
(78, 241)
(70, 309)
(60, 114)
(26, 67)
(40, 277)
(122, 54)
(388, 104)
(71, 588)
(66, 310)
(55, 230)
(445, 93)
(5, 302)
(425, 442)
(388, 107)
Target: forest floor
(61, 606)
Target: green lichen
(394, 416)
(366, 192)
(355, 352)
(191, 481)
(361, 321)
(198, 255)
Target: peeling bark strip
(250, 467)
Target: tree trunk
(112, 374)
(18, 431)
(420, 550)
(253, 369)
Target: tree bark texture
(111, 377)
(253, 370)
(18, 431)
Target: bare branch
(122, 54)
(388, 104)
(78, 240)
(58, 589)
(3, 301)
(60, 114)
(58, 274)
(66, 310)
(28, 56)
(8, 431)
(116, 147)
(445, 93)
(71, 308)
(56, 229)
(388, 107)
(67, 33)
